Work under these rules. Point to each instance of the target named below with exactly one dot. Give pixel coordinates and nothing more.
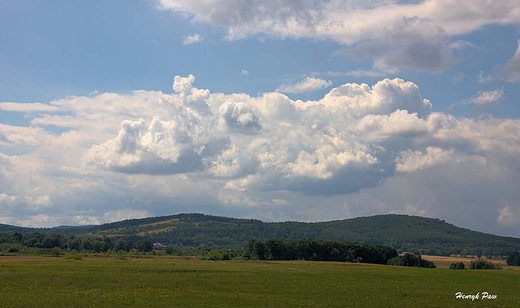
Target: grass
(162, 282)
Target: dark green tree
(73, 243)
(259, 250)
(18, 237)
(57, 251)
(411, 260)
(170, 250)
(86, 244)
(121, 245)
(51, 240)
(514, 259)
(483, 264)
(144, 245)
(457, 265)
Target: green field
(161, 282)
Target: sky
(297, 110)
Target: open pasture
(165, 282)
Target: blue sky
(62, 48)
(253, 77)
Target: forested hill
(402, 232)
(9, 228)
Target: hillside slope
(402, 232)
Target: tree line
(261, 249)
(318, 250)
(82, 243)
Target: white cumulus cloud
(192, 39)
(487, 97)
(309, 84)
(409, 161)
(377, 148)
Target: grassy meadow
(167, 282)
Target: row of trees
(475, 264)
(263, 249)
(76, 243)
(411, 260)
(318, 250)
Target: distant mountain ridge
(402, 232)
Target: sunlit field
(165, 282)
(445, 262)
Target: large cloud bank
(416, 35)
(360, 150)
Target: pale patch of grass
(156, 231)
(164, 222)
